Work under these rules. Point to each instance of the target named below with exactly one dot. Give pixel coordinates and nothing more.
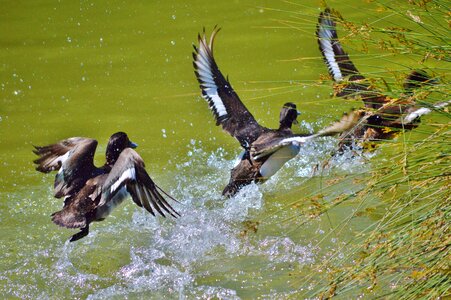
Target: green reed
(405, 252)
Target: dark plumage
(384, 117)
(91, 193)
(265, 150)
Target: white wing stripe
(296, 140)
(206, 77)
(424, 111)
(61, 159)
(202, 57)
(128, 174)
(325, 37)
(205, 72)
(202, 62)
(216, 101)
(326, 46)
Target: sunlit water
(94, 68)
(204, 253)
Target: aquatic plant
(404, 252)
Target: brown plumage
(384, 116)
(233, 115)
(265, 150)
(91, 193)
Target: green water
(82, 68)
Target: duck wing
(266, 147)
(336, 59)
(414, 114)
(78, 209)
(225, 104)
(260, 150)
(349, 82)
(73, 158)
(129, 171)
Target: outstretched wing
(261, 150)
(77, 209)
(129, 171)
(416, 113)
(266, 148)
(336, 59)
(227, 107)
(73, 158)
(349, 82)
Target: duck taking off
(383, 117)
(91, 193)
(265, 150)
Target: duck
(265, 150)
(90, 193)
(382, 117)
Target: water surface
(93, 68)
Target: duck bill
(132, 145)
(296, 122)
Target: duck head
(117, 143)
(418, 79)
(288, 115)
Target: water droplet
(69, 39)
(172, 43)
(173, 17)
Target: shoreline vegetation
(405, 252)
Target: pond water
(91, 68)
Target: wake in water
(205, 253)
(207, 239)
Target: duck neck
(285, 125)
(108, 165)
(111, 158)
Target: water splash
(184, 258)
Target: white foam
(190, 257)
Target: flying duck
(265, 150)
(91, 193)
(384, 117)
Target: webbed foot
(83, 232)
